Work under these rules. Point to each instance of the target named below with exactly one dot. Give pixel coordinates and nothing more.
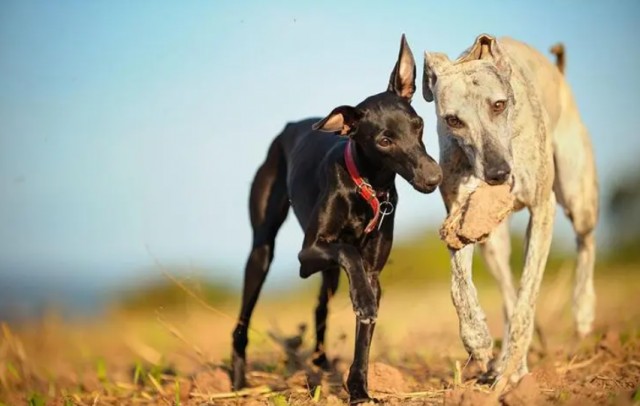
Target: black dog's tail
(559, 52)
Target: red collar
(365, 189)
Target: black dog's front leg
(357, 380)
(320, 255)
(365, 296)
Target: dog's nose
(497, 175)
(434, 180)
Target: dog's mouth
(510, 181)
(426, 187)
(425, 176)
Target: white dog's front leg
(496, 251)
(513, 363)
(473, 322)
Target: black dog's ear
(342, 119)
(403, 78)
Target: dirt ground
(180, 356)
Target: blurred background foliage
(171, 293)
(416, 262)
(422, 259)
(623, 210)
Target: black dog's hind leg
(268, 206)
(330, 278)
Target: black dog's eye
(499, 106)
(384, 142)
(454, 122)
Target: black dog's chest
(354, 232)
(362, 215)
(359, 218)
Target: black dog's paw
(238, 378)
(360, 395)
(356, 385)
(361, 400)
(321, 361)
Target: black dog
(348, 223)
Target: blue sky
(136, 127)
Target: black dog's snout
(434, 180)
(497, 175)
(427, 176)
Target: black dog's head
(387, 128)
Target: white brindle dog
(507, 115)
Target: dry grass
(179, 357)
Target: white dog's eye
(454, 122)
(499, 106)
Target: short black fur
(305, 169)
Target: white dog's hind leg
(496, 251)
(538, 243)
(473, 322)
(576, 187)
(584, 296)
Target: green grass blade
(137, 373)
(101, 370)
(36, 400)
(12, 370)
(279, 400)
(457, 374)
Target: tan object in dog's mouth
(472, 222)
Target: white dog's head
(474, 104)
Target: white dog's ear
(487, 47)
(433, 65)
(342, 120)
(403, 78)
